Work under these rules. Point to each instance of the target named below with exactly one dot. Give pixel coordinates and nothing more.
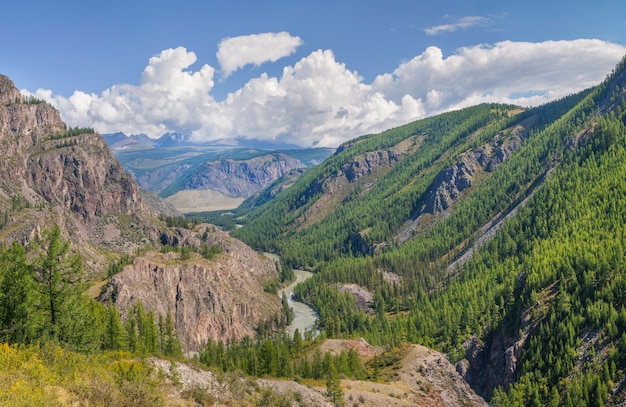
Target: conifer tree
(57, 288)
(16, 284)
(333, 386)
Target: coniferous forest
(517, 271)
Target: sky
(310, 74)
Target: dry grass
(201, 200)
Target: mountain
(121, 142)
(218, 299)
(51, 175)
(493, 233)
(194, 175)
(240, 178)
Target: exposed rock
(365, 164)
(423, 365)
(221, 299)
(81, 175)
(8, 92)
(364, 298)
(242, 178)
(158, 205)
(424, 378)
(48, 177)
(360, 346)
(492, 363)
(449, 183)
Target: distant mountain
(121, 142)
(173, 164)
(51, 175)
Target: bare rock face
(242, 178)
(8, 92)
(453, 180)
(51, 177)
(423, 365)
(221, 299)
(80, 175)
(449, 184)
(365, 164)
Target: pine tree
(333, 386)
(58, 278)
(16, 284)
(170, 344)
(116, 337)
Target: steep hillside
(492, 233)
(376, 191)
(217, 299)
(52, 175)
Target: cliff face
(220, 299)
(79, 174)
(450, 182)
(242, 178)
(51, 176)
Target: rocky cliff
(242, 178)
(218, 299)
(50, 174)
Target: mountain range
(198, 177)
(494, 234)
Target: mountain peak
(8, 92)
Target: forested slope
(537, 314)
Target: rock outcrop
(218, 299)
(241, 179)
(450, 182)
(50, 175)
(367, 163)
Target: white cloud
(237, 52)
(500, 73)
(319, 102)
(462, 23)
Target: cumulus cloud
(462, 23)
(237, 52)
(318, 101)
(521, 73)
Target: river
(304, 316)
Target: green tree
(16, 284)
(116, 337)
(170, 344)
(333, 386)
(58, 277)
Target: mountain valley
(470, 257)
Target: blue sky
(307, 73)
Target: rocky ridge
(450, 182)
(422, 377)
(50, 175)
(242, 178)
(218, 299)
